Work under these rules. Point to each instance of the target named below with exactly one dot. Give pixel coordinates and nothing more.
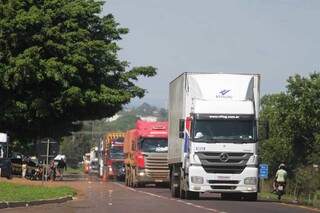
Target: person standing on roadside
(24, 168)
(61, 167)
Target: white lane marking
(110, 197)
(172, 199)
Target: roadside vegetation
(294, 136)
(92, 131)
(11, 192)
(59, 65)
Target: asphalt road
(114, 197)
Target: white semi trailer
(213, 135)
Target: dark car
(5, 166)
(16, 166)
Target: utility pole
(47, 142)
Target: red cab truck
(113, 155)
(146, 149)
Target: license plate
(223, 177)
(158, 181)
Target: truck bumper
(146, 177)
(224, 183)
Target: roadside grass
(273, 196)
(10, 192)
(312, 200)
(291, 199)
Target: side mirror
(181, 135)
(181, 128)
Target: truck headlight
(250, 181)
(197, 179)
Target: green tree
(59, 64)
(294, 124)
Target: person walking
(52, 171)
(61, 167)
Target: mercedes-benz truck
(212, 142)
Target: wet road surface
(113, 197)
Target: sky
(276, 38)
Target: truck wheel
(181, 190)
(174, 186)
(130, 180)
(126, 180)
(190, 195)
(134, 179)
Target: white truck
(213, 135)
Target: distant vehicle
(113, 156)
(213, 121)
(94, 167)
(86, 163)
(16, 164)
(145, 149)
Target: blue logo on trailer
(263, 171)
(223, 92)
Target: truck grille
(224, 162)
(223, 181)
(157, 167)
(117, 164)
(224, 187)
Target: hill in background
(91, 132)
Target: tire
(130, 184)
(134, 179)
(190, 195)
(181, 190)
(182, 194)
(175, 191)
(140, 185)
(126, 177)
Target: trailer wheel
(134, 179)
(181, 190)
(174, 185)
(126, 177)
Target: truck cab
(146, 149)
(115, 159)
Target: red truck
(146, 150)
(113, 155)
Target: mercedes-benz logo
(224, 157)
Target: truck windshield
(159, 145)
(231, 130)
(116, 152)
